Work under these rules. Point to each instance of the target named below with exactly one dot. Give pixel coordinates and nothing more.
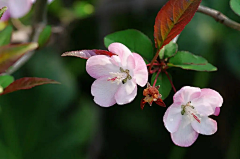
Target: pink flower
(188, 115)
(16, 8)
(116, 76)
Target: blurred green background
(63, 122)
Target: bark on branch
(219, 17)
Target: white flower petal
(172, 118)
(122, 51)
(206, 103)
(140, 71)
(125, 93)
(100, 65)
(207, 126)
(104, 91)
(185, 135)
(186, 94)
(19, 8)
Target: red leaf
(27, 83)
(10, 54)
(85, 54)
(172, 19)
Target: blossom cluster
(117, 77)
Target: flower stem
(152, 62)
(170, 81)
(155, 81)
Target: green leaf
(235, 5)
(135, 40)
(168, 50)
(2, 10)
(165, 85)
(6, 35)
(189, 61)
(6, 80)
(9, 54)
(44, 36)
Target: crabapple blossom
(116, 76)
(188, 115)
(16, 8)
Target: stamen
(196, 118)
(190, 112)
(120, 77)
(112, 79)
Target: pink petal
(19, 8)
(186, 94)
(131, 64)
(49, 1)
(207, 102)
(122, 51)
(203, 108)
(100, 65)
(126, 92)
(185, 135)
(217, 111)
(211, 96)
(172, 118)
(140, 71)
(104, 91)
(207, 126)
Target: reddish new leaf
(9, 54)
(27, 83)
(85, 54)
(172, 19)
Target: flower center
(119, 77)
(190, 112)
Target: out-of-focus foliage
(2, 10)
(10, 54)
(44, 36)
(6, 35)
(235, 5)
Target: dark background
(63, 122)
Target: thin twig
(170, 81)
(152, 62)
(219, 17)
(155, 81)
(39, 22)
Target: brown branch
(39, 22)
(219, 17)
